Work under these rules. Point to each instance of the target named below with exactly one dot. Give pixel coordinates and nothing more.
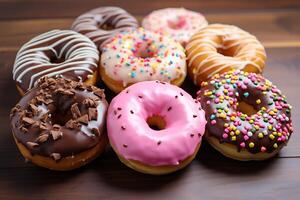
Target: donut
(60, 124)
(219, 48)
(247, 116)
(57, 52)
(141, 55)
(102, 23)
(155, 127)
(178, 23)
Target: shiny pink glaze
(133, 139)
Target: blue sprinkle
(246, 94)
(133, 74)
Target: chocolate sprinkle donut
(59, 118)
(103, 23)
(264, 131)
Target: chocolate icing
(103, 23)
(264, 131)
(57, 52)
(60, 118)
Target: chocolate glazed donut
(60, 124)
(102, 23)
(57, 52)
(248, 117)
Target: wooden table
(210, 176)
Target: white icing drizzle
(202, 52)
(90, 23)
(79, 53)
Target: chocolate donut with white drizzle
(103, 23)
(57, 52)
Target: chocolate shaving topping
(75, 111)
(159, 142)
(55, 156)
(170, 108)
(56, 134)
(63, 100)
(95, 131)
(28, 121)
(42, 138)
(32, 145)
(83, 119)
(92, 112)
(123, 128)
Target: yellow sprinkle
(275, 145)
(272, 137)
(251, 144)
(251, 121)
(223, 81)
(231, 133)
(225, 91)
(274, 133)
(279, 134)
(256, 127)
(260, 135)
(222, 115)
(237, 132)
(258, 101)
(271, 113)
(232, 118)
(226, 125)
(263, 108)
(270, 127)
(233, 138)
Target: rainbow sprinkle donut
(248, 117)
(141, 55)
(178, 23)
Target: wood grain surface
(210, 176)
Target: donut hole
(106, 26)
(156, 122)
(145, 52)
(225, 52)
(246, 108)
(177, 23)
(56, 60)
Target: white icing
(121, 63)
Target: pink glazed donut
(178, 23)
(155, 127)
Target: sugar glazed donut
(57, 52)
(219, 48)
(102, 23)
(141, 55)
(155, 127)
(60, 124)
(248, 117)
(178, 23)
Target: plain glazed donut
(57, 52)
(248, 117)
(178, 23)
(141, 55)
(219, 48)
(179, 122)
(102, 23)
(60, 124)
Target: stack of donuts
(63, 120)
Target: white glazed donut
(179, 23)
(141, 55)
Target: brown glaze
(57, 52)
(103, 23)
(60, 118)
(264, 131)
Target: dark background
(210, 176)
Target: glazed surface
(133, 139)
(264, 131)
(178, 23)
(141, 55)
(102, 23)
(59, 118)
(219, 48)
(57, 52)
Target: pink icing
(133, 139)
